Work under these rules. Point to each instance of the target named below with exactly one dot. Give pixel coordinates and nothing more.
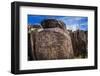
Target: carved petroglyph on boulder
(51, 40)
(53, 43)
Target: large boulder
(79, 43)
(32, 29)
(52, 23)
(52, 43)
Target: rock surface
(52, 23)
(79, 43)
(53, 43)
(32, 29)
(51, 40)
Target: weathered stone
(53, 43)
(32, 29)
(79, 42)
(52, 23)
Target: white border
(26, 65)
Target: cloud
(73, 27)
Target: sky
(72, 22)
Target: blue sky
(72, 22)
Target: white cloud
(72, 27)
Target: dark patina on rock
(79, 43)
(53, 43)
(52, 23)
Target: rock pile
(51, 40)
